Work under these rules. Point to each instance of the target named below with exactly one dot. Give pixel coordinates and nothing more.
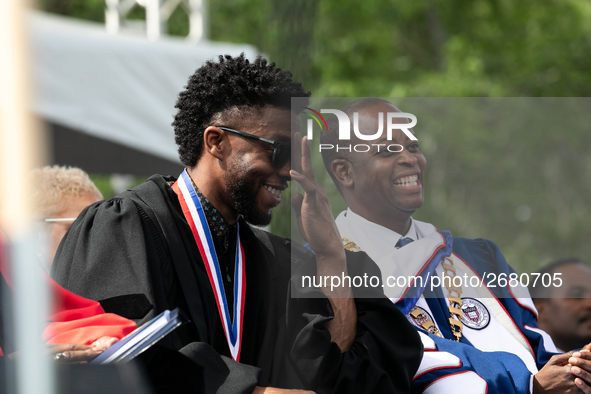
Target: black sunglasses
(281, 150)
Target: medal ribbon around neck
(195, 216)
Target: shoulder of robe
(127, 202)
(478, 248)
(121, 214)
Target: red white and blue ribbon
(198, 222)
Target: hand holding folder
(142, 338)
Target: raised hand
(315, 220)
(317, 226)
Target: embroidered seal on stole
(475, 315)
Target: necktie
(402, 242)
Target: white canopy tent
(119, 89)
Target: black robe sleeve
(385, 354)
(105, 256)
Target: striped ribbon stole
(193, 211)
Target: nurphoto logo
(344, 132)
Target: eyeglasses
(55, 220)
(281, 150)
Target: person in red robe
(78, 327)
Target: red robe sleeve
(78, 320)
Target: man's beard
(245, 197)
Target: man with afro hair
(188, 243)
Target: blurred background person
(60, 194)
(564, 311)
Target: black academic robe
(135, 253)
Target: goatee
(245, 197)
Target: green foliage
(92, 10)
(513, 170)
(482, 180)
(390, 48)
(178, 23)
(104, 183)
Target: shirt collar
(387, 236)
